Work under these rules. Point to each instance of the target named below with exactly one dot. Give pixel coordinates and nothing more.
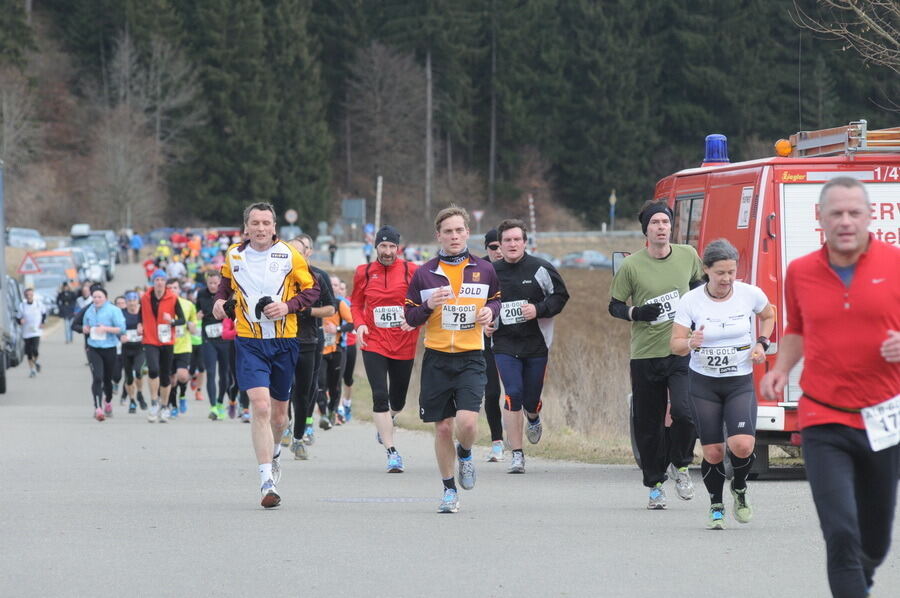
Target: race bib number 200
(883, 424)
(669, 302)
(511, 312)
(458, 317)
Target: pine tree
(15, 35)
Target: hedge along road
(128, 508)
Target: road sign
(29, 266)
(478, 215)
(291, 216)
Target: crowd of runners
(272, 339)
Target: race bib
(669, 303)
(132, 336)
(164, 332)
(458, 317)
(213, 330)
(511, 312)
(96, 335)
(388, 316)
(719, 361)
(883, 424)
(179, 331)
(330, 338)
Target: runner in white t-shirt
(715, 323)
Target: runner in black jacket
(532, 292)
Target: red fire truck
(768, 209)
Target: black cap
(491, 237)
(649, 211)
(387, 233)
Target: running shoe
(466, 473)
(213, 414)
(107, 409)
(173, 412)
(684, 485)
(232, 409)
(276, 467)
(309, 436)
(198, 395)
(449, 501)
(153, 416)
(220, 410)
(716, 516)
(163, 415)
(299, 450)
(141, 401)
(348, 413)
(517, 464)
(743, 512)
(194, 382)
(32, 373)
(132, 407)
(245, 416)
(182, 405)
(496, 453)
(339, 418)
(286, 436)
(332, 417)
(270, 496)
(324, 423)
(37, 366)
(534, 431)
(394, 463)
(115, 388)
(657, 501)
(98, 415)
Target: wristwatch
(764, 341)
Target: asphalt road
(126, 508)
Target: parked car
(13, 342)
(46, 288)
(112, 239)
(555, 262)
(26, 238)
(94, 269)
(67, 261)
(98, 244)
(588, 259)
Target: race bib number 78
(458, 317)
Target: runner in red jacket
(387, 343)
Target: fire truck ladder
(852, 139)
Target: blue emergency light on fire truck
(767, 208)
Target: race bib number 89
(458, 317)
(388, 316)
(511, 312)
(669, 303)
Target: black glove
(646, 313)
(229, 308)
(261, 305)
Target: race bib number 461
(388, 316)
(669, 303)
(458, 317)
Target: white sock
(265, 473)
(277, 450)
(345, 402)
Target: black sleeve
(697, 283)
(618, 309)
(179, 315)
(78, 322)
(556, 301)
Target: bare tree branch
(17, 126)
(871, 27)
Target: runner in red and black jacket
(387, 343)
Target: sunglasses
(494, 246)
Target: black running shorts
(450, 382)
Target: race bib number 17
(669, 303)
(458, 317)
(883, 423)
